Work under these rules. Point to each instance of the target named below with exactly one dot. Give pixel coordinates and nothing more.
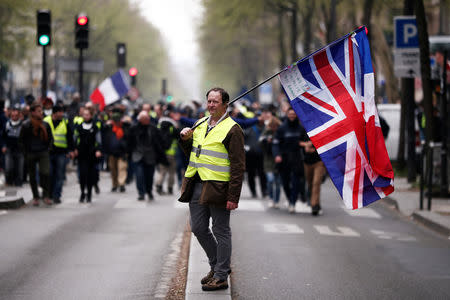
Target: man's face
(291, 115)
(37, 113)
(146, 107)
(15, 114)
(215, 106)
(59, 115)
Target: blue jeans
(273, 186)
(144, 177)
(57, 173)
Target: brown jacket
(217, 193)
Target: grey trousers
(217, 244)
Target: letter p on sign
(406, 34)
(409, 32)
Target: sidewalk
(406, 200)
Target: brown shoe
(215, 284)
(48, 201)
(208, 277)
(35, 202)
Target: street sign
(406, 51)
(67, 64)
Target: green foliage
(110, 22)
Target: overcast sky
(178, 21)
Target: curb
(198, 267)
(421, 217)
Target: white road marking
(283, 228)
(365, 212)
(251, 205)
(342, 231)
(3, 212)
(393, 236)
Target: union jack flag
(332, 92)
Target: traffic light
(81, 31)
(121, 51)
(44, 26)
(133, 73)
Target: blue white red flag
(111, 89)
(332, 92)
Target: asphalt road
(369, 254)
(115, 248)
(119, 248)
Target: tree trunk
(307, 27)
(331, 24)
(281, 39)
(425, 68)
(294, 11)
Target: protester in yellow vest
(61, 149)
(169, 132)
(213, 182)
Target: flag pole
(244, 94)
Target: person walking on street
(115, 144)
(87, 137)
(212, 184)
(314, 172)
(34, 140)
(169, 132)
(270, 167)
(288, 152)
(254, 158)
(61, 148)
(146, 152)
(14, 159)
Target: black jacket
(145, 144)
(29, 142)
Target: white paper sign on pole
(293, 82)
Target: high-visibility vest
(173, 147)
(77, 120)
(209, 157)
(59, 133)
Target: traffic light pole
(44, 73)
(80, 70)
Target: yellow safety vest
(209, 157)
(59, 133)
(173, 147)
(78, 120)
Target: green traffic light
(44, 40)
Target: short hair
(223, 93)
(142, 114)
(35, 105)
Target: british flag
(332, 92)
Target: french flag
(111, 89)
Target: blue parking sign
(406, 34)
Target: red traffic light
(82, 20)
(133, 72)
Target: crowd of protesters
(39, 139)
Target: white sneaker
(276, 205)
(271, 204)
(291, 209)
